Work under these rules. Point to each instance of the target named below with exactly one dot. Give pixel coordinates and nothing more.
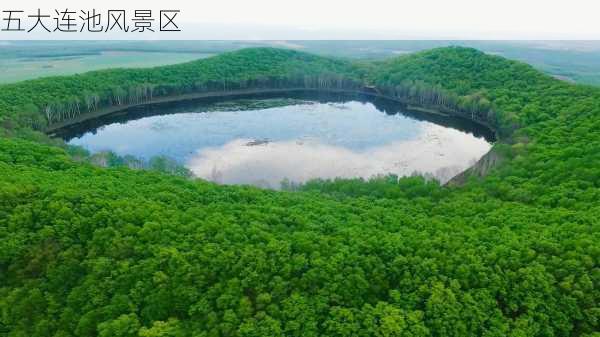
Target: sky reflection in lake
(297, 142)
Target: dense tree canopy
(90, 251)
(66, 97)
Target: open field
(24, 68)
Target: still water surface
(265, 140)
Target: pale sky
(345, 19)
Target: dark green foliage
(89, 251)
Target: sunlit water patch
(306, 140)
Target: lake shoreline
(440, 112)
(51, 129)
(237, 141)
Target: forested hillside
(89, 251)
(60, 98)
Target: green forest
(96, 251)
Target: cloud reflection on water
(439, 151)
(309, 139)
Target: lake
(262, 140)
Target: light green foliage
(89, 251)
